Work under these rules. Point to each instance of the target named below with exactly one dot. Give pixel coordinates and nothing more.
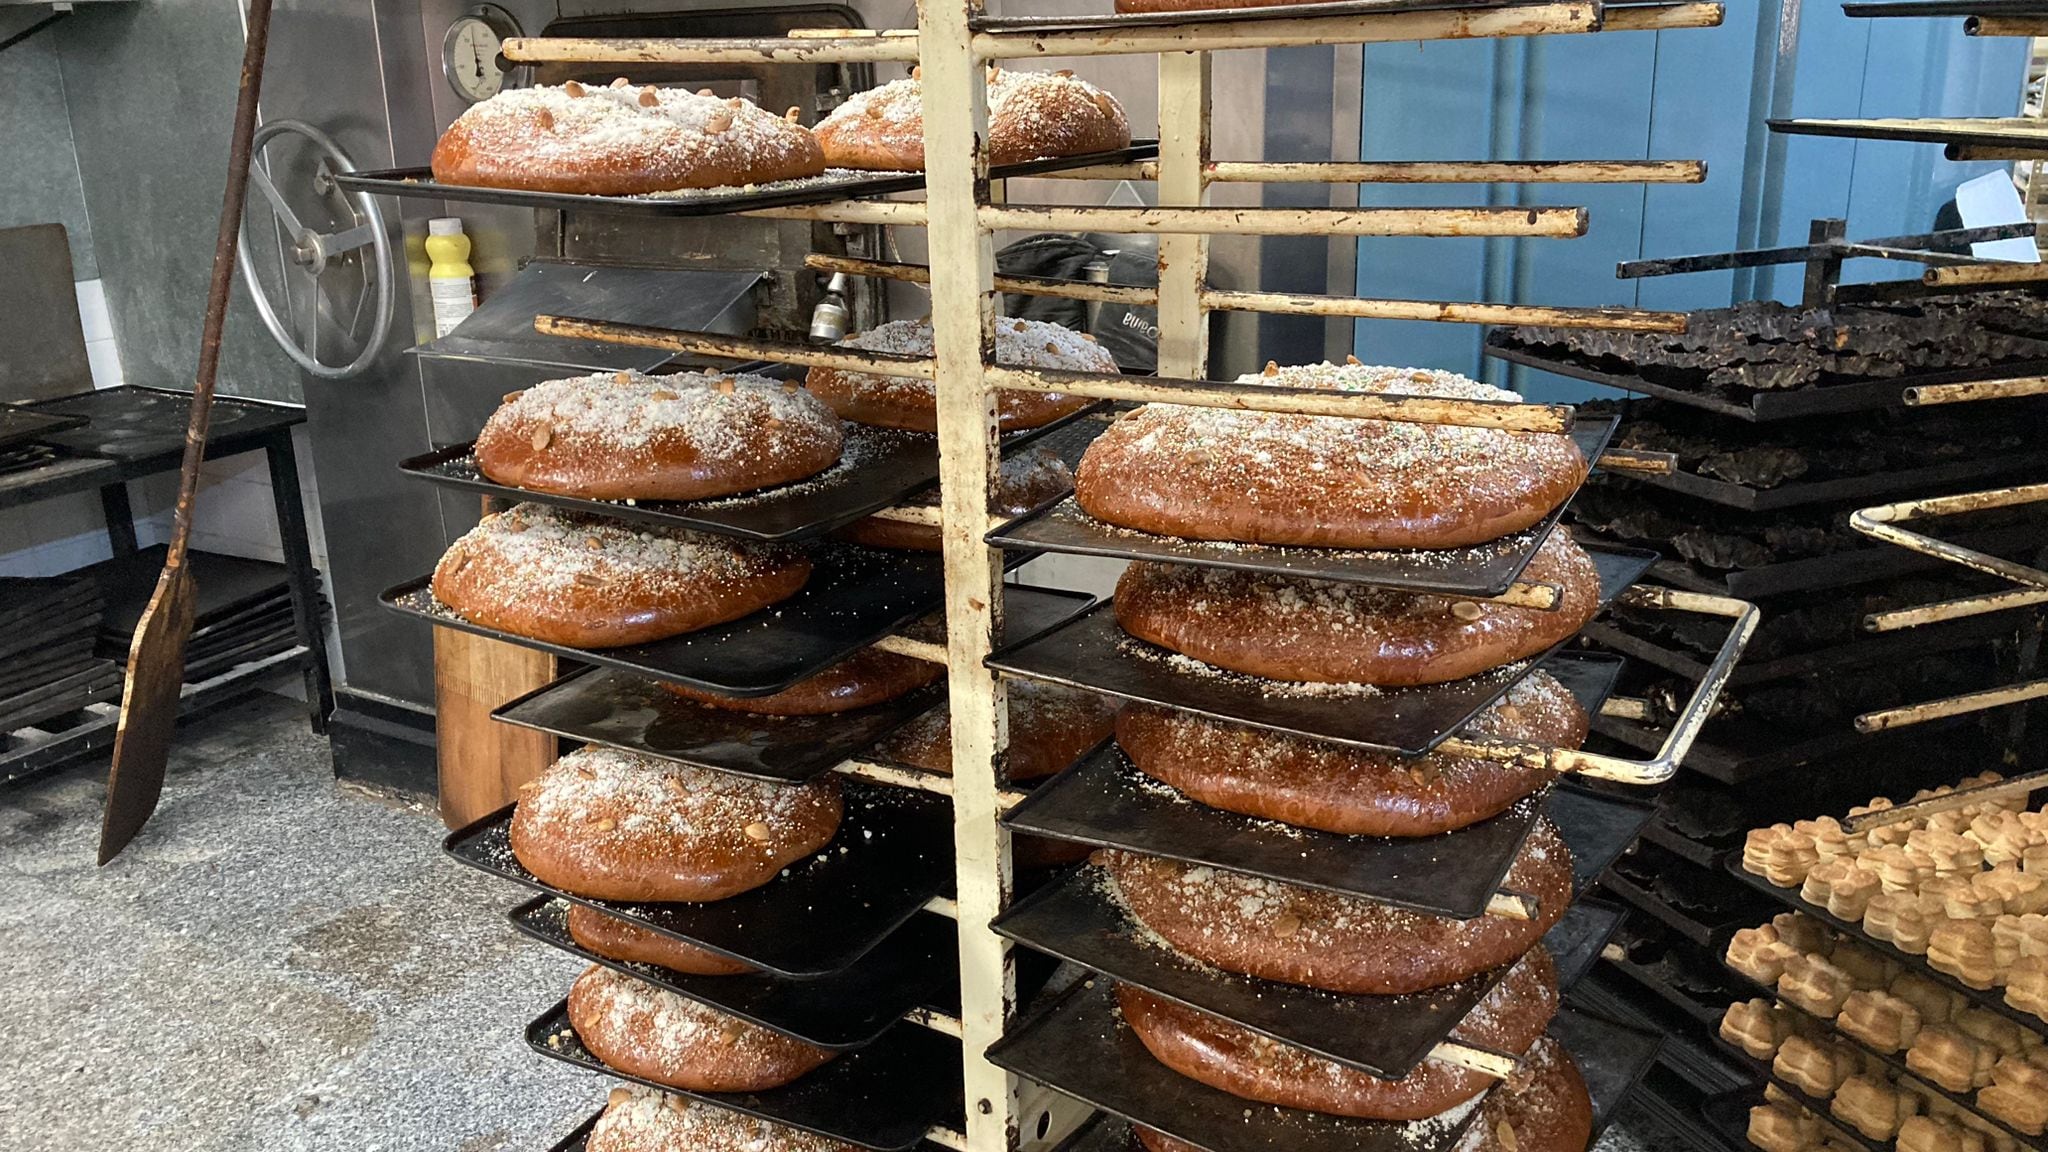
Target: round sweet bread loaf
(590, 582)
(1234, 1059)
(862, 680)
(654, 1034)
(1326, 940)
(638, 1119)
(904, 402)
(1023, 482)
(1544, 1107)
(621, 141)
(1327, 481)
(1031, 116)
(613, 825)
(1050, 727)
(616, 939)
(1352, 791)
(1330, 632)
(629, 436)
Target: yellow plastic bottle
(450, 279)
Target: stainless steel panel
(39, 182)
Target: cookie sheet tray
(885, 1096)
(915, 966)
(1482, 570)
(836, 184)
(1989, 999)
(892, 854)
(629, 711)
(855, 597)
(1106, 801)
(877, 467)
(1092, 652)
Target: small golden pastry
(1780, 1128)
(1759, 954)
(1955, 821)
(1828, 838)
(1813, 984)
(2033, 928)
(1899, 870)
(1864, 966)
(1949, 851)
(1926, 1134)
(1967, 901)
(2034, 858)
(2026, 985)
(1881, 1020)
(1990, 1028)
(1790, 857)
(1881, 915)
(1804, 933)
(2017, 892)
(1757, 1027)
(1946, 1057)
(1815, 1067)
(2017, 1095)
(1819, 885)
(1756, 846)
(1849, 897)
(1936, 1004)
(1912, 924)
(2008, 937)
(1962, 948)
(1871, 1105)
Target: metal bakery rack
(968, 870)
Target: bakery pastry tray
(579, 1140)
(1092, 652)
(836, 184)
(915, 966)
(877, 468)
(1763, 1071)
(1989, 999)
(885, 1096)
(627, 710)
(892, 854)
(1483, 570)
(25, 425)
(855, 597)
(1106, 801)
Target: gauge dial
(469, 52)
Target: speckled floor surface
(277, 964)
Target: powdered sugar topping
(721, 418)
(546, 554)
(644, 1120)
(607, 794)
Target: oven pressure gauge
(469, 52)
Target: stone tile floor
(278, 964)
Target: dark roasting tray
(914, 967)
(25, 425)
(627, 710)
(855, 597)
(885, 1096)
(841, 184)
(877, 468)
(818, 917)
(1481, 570)
(1092, 652)
(1105, 801)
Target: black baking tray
(626, 710)
(915, 966)
(1762, 1070)
(877, 468)
(579, 1140)
(1079, 1045)
(1819, 400)
(885, 1096)
(132, 422)
(1867, 488)
(1106, 801)
(855, 597)
(1092, 652)
(818, 917)
(1990, 999)
(1728, 1114)
(1481, 570)
(1575, 942)
(22, 425)
(838, 184)
(1597, 827)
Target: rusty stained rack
(1006, 1113)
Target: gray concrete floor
(278, 964)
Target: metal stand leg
(298, 563)
(120, 519)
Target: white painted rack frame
(1005, 1114)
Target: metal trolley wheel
(315, 251)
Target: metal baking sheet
(1837, 570)
(1763, 1071)
(1597, 828)
(22, 425)
(1575, 941)
(135, 423)
(1990, 999)
(855, 597)
(1819, 400)
(1481, 570)
(1092, 652)
(1106, 801)
(885, 1096)
(1869, 487)
(579, 1140)
(877, 468)
(818, 917)
(629, 711)
(914, 966)
(1991, 131)
(1076, 918)
(1079, 1045)
(837, 184)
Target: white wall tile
(103, 357)
(92, 310)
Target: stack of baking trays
(49, 665)
(244, 612)
(1771, 425)
(1328, 901)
